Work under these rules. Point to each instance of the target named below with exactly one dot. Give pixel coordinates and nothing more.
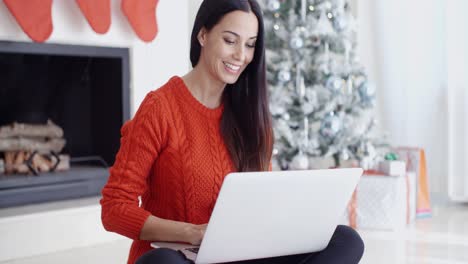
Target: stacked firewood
(33, 149)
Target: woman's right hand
(195, 233)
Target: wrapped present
(392, 167)
(415, 160)
(382, 202)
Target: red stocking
(142, 17)
(98, 14)
(33, 16)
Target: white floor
(440, 239)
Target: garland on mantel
(35, 16)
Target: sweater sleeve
(142, 140)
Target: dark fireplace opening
(82, 89)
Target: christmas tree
(321, 99)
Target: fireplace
(82, 89)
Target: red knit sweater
(173, 156)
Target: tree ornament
(366, 149)
(366, 153)
(335, 84)
(298, 37)
(340, 23)
(366, 94)
(275, 151)
(297, 42)
(274, 5)
(300, 162)
(284, 75)
(331, 126)
(344, 155)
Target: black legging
(346, 246)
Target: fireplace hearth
(84, 90)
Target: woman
(191, 132)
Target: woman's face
(229, 46)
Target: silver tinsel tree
(320, 94)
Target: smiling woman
(227, 50)
(192, 132)
(229, 46)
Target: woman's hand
(195, 233)
(159, 229)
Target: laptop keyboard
(194, 250)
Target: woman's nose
(239, 55)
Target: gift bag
(416, 162)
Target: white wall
(402, 45)
(457, 65)
(151, 64)
(193, 9)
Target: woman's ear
(202, 36)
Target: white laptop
(269, 214)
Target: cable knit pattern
(173, 156)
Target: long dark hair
(246, 122)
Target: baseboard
(45, 228)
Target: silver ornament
(366, 90)
(367, 155)
(300, 162)
(296, 42)
(298, 37)
(366, 163)
(366, 149)
(274, 5)
(335, 84)
(284, 75)
(366, 94)
(275, 151)
(340, 23)
(344, 155)
(331, 126)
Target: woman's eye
(251, 46)
(228, 41)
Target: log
(64, 163)
(2, 166)
(32, 144)
(9, 158)
(16, 163)
(41, 164)
(50, 130)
